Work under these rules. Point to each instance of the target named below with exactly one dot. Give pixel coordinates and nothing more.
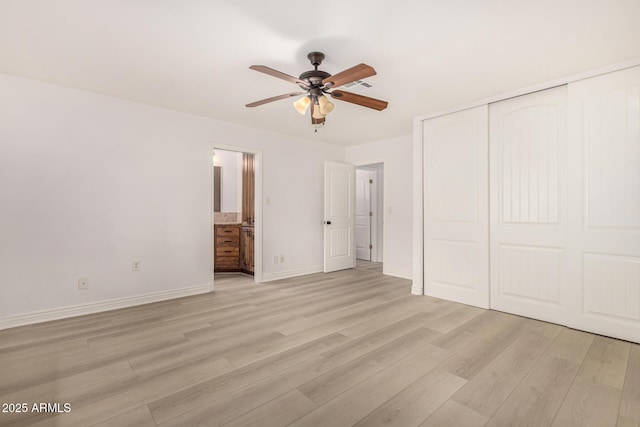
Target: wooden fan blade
(274, 98)
(315, 121)
(354, 98)
(359, 72)
(276, 73)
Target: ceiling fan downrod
(315, 58)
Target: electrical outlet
(281, 258)
(83, 283)
(135, 266)
(275, 259)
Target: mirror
(217, 187)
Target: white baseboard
(417, 290)
(96, 307)
(396, 273)
(268, 277)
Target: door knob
(328, 222)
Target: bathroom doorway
(237, 216)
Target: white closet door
(528, 205)
(604, 204)
(456, 223)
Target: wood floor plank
(35, 335)
(477, 350)
(190, 351)
(29, 372)
(428, 313)
(325, 387)
(279, 412)
(417, 402)
(538, 397)
(451, 321)
(337, 349)
(589, 404)
(128, 396)
(454, 414)
(378, 337)
(137, 417)
(471, 330)
(627, 422)
(487, 391)
(72, 389)
(630, 405)
(606, 362)
(284, 365)
(354, 404)
(571, 345)
(229, 406)
(310, 322)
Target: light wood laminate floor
(340, 349)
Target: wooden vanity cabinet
(227, 247)
(247, 245)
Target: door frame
(257, 249)
(381, 212)
(377, 207)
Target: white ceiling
(430, 55)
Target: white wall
(396, 153)
(89, 183)
(230, 163)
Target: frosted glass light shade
(326, 106)
(317, 113)
(302, 104)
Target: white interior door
(339, 216)
(528, 231)
(604, 204)
(456, 212)
(363, 214)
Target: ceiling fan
(316, 84)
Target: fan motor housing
(314, 77)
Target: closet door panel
(528, 205)
(604, 234)
(456, 258)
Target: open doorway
(236, 231)
(369, 216)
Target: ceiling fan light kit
(316, 84)
(302, 104)
(325, 105)
(317, 114)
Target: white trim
(100, 306)
(377, 225)
(534, 88)
(212, 230)
(380, 249)
(417, 288)
(257, 259)
(292, 273)
(397, 273)
(376, 219)
(367, 163)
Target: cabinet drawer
(227, 262)
(227, 251)
(227, 231)
(227, 241)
